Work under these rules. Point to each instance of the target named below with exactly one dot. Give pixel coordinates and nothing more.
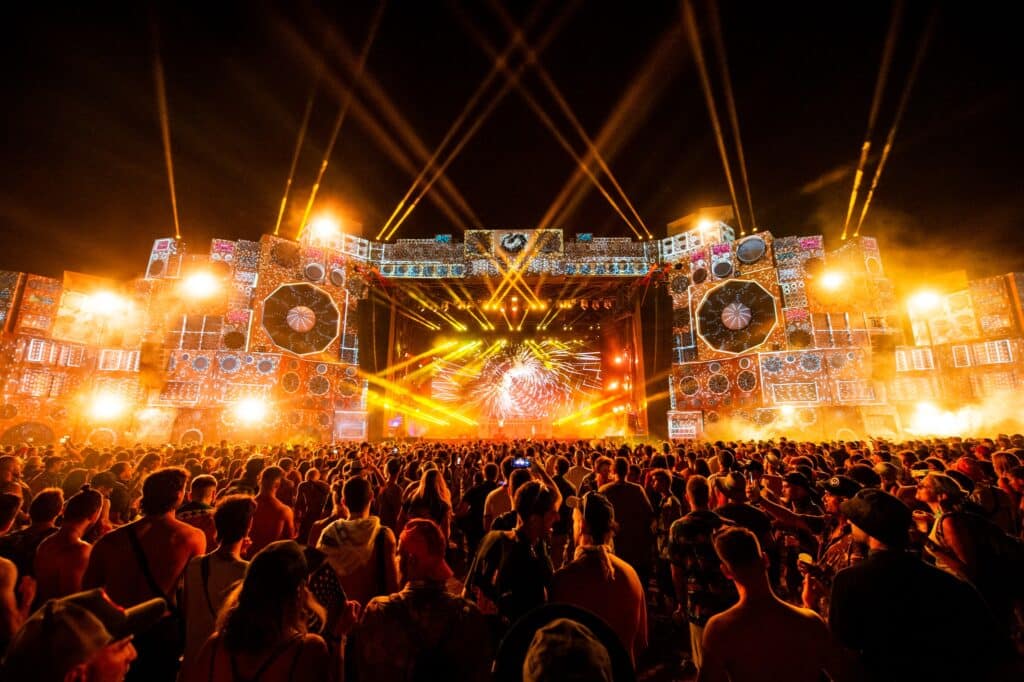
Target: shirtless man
(762, 637)
(146, 559)
(61, 559)
(14, 607)
(273, 520)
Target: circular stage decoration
(772, 365)
(837, 361)
(679, 284)
(290, 382)
(201, 363)
(301, 318)
(513, 242)
(318, 385)
(314, 272)
(736, 316)
(711, 417)
(745, 363)
(28, 432)
(229, 364)
(750, 250)
(799, 338)
(810, 363)
(734, 301)
(191, 437)
(722, 269)
(337, 277)
(266, 366)
(746, 380)
(351, 371)
(234, 340)
(323, 419)
(718, 383)
(321, 368)
(689, 386)
(699, 275)
(285, 254)
(8, 411)
(348, 388)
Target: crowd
(522, 560)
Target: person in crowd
(359, 548)
(249, 482)
(891, 609)
(499, 501)
(198, 511)
(50, 476)
(286, 490)
(430, 500)
(210, 578)
(512, 571)
(578, 471)
(636, 519)
(62, 558)
(273, 519)
(470, 513)
(20, 546)
(82, 637)
(389, 498)
(145, 559)
(702, 590)
(509, 520)
(311, 498)
(421, 632)
(761, 637)
(597, 478)
(599, 581)
(561, 532)
(261, 632)
(120, 495)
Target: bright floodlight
(832, 280)
(924, 301)
(106, 406)
(324, 227)
(105, 303)
(201, 285)
(705, 224)
(250, 410)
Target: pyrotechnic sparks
(522, 381)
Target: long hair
(271, 603)
(432, 489)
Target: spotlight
(924, 301)
(200, 285)
(107, 406)
(324, 227)
(832, 280)
(250, 410)
(105, 303)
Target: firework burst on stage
(529, 380)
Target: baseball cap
(732, 485)
(598, 512)
(841, 486)
(880, 515)
(423, 540)
(566, 650)
(517, 649)
(797, 478)
(66, 632)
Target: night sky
(84, 185)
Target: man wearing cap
(84, 636)
(895, 612)
(599, 581)
(421, 632)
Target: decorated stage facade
(261, 340)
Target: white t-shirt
(200, 620)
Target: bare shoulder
(8, 573)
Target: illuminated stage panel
(521, 381)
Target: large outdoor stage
(503, 334)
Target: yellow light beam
(388, 404)
(592, 150)
(585, 410)
(165, 125)
(342, 113)
(690, 22)
(922, 48)
(416, 358)
(876, 103)
(400, 390)
(730, 102)
(478, 122)
(303, 127)
(462, 350)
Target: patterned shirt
(708, 591)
